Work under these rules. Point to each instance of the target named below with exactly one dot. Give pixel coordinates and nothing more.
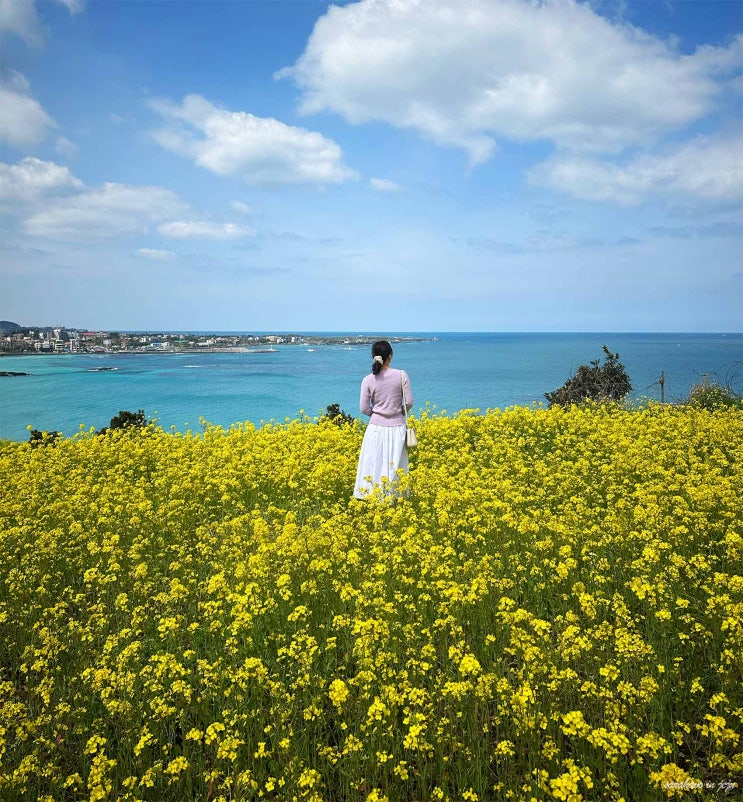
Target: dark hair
(380, 348)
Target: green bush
(337, 415)
(594, 382)
(39, 438)
(126, 420)
(711, 395)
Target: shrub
(594, 382)
(337, 415)
(126, 420)
(712, 395)
(39, 438)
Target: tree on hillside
(126, 420)
(39, 438)
(594, 382)
(337, 415)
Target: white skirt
(383, 452)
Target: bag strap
(404, 400)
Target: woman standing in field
(383, 451)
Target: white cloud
(704, 169)
(66, 148)
(33, 179)
(155, 254)
(57, 205)
(384, 185)
(19, 17)
(23, 121)
(260, 150)
(194, 229)
(73, 6)
(241, 207)
(464, 73)
(109, 211)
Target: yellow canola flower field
(553, 609)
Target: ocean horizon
(400, 333)
(449, 371)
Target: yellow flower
(213, 731)
(556, 578)
(228, 748)
(177, 766)
(95, 744)
(309, 778)
(469, 665)
(573, 723)
(401, 770)
(674, 781)
(338, 692)
(505, 748)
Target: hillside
(553, 609)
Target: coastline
(144, 352)
(159, 343)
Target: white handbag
(411, 438)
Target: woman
(383, 450)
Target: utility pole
(662, 383)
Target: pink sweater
(381, 397)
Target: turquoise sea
(448, 371)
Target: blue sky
(384, 165)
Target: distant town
(16, 339)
